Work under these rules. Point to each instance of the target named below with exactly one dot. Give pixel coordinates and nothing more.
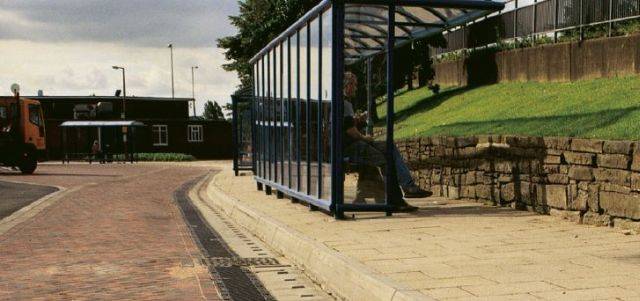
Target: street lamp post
(123, 115)
(193, 88)
(173, 91)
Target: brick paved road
(119, 236)
(15, 196)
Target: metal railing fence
(543, 18)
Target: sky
(67, 47)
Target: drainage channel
(229, 272)
(241, 265)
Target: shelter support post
(337, 108)
(370, 100)
(391, 182)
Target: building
(167, 126)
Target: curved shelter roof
(366, 22)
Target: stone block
(635, 181)
(556, 196)
(615, 188)
(579, 158)
(635, 163)
(504, 167)
(580, 173)
(560, 143)
(625, 224)
(551, 159)
(593, 198)
(524, 142)
(596, 219)
(466, 141)
(615, 176)
(558, 178)
(483, 191)
(572, 216)
(527, 194)
(505, 178)
(564, 169)
(620, 205)
(452, 192)
(617, 147)
(468, 191)
(555, 152)
(578, 198)
(467, 151)
(507, 193)
(587, 145)
(551, 168)
(613, 161)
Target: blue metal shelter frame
(298, 91)
(242, 132)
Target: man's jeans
(373, 153)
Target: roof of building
(107, 123)
(107, 98)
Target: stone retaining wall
(593, 181)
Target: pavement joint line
(343, 276)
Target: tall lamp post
(123, 115)
(173, 91)
(193, 88)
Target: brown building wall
(607, 57)
(217, 142)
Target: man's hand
(368, 138)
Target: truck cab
(22, 133)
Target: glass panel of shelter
(303, 75)
(326, 81)
(365, 102)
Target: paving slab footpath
(449, 250)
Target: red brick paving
(118, 237)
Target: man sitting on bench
(364, 150)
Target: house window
(160, 135)
(195, 133)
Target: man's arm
(354, 133)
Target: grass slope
(601, 108)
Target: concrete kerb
(31, 210)
(344, 277)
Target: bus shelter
(115, 138)
(242, 131)
(300, 103)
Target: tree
(213, 111)
(258, 23)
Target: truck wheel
(29, 163)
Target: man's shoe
(416, 192)
(406, 208)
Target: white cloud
(67, 47)
(84, 68)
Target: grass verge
(601, 108)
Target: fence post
(535, 21)
(556, 8)
(581, 20)
(515, 20)
(610, 17)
